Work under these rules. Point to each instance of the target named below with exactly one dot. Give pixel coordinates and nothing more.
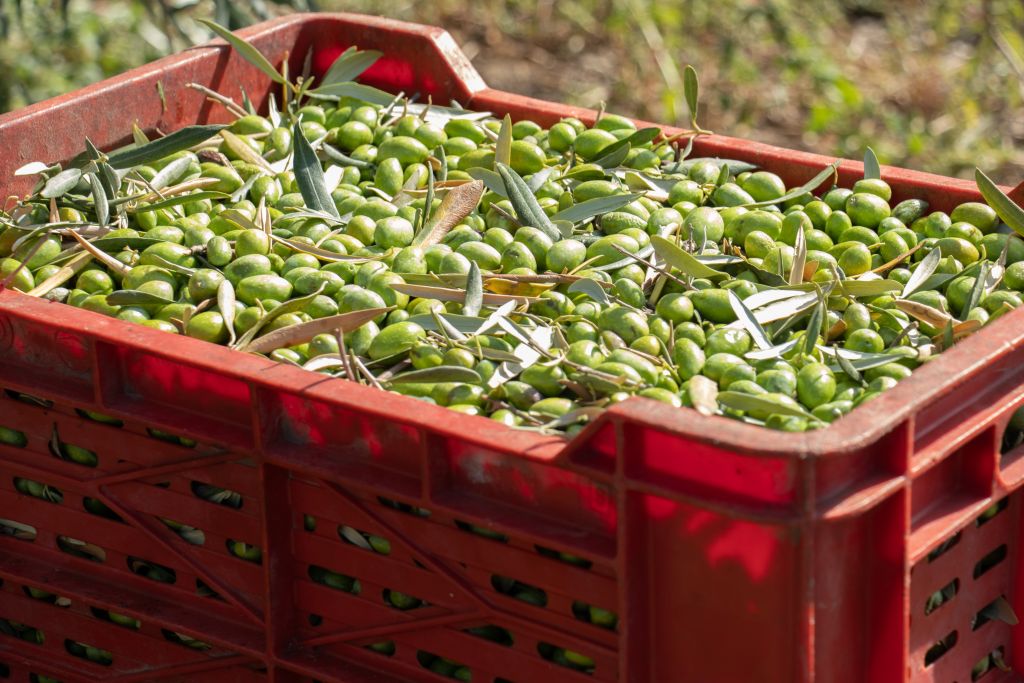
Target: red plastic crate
(731, 554)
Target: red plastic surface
(731, 554)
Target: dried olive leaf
(491, 179)
(925, 313)
(301, 333)
(106, 259)
(1005, 208)
(68, 271)
(246, 50)
(291, 306)
(796, 273)
(456, 205)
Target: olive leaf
(133, 297)
(32, 168)
(614, 154)
(872, 171)
(456, 205)
(848, 367)
(703, 395)
(349, 65)
(226, 305)
(591, 288)
(459, 295)
(682, 260)
(359, 91)
(292, 306)
(811, 185)
(503, 145)
(246, 50)
(723, 175)
(736, 165)
(925, 313)
(241, 149)
(309, 175)
(440, 373)
(474, 291)
(924, 270)
(61, 184)
(462, 323)
(977, 290)
(796, 272)
(691, 90)
(749, 322)
(161, 147)
(106, 259)
(491, 179)
(814, 326)
(99, 198)
(1005, 208)
(300, 333)
(597, 206)
(758, 404)
(525, 204)
(172, 171)
(777, 351)
(65, 273)
(871, 288)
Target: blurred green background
(936, 85)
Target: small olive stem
(211, 94)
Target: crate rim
(854, 431)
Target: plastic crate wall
(729, 553)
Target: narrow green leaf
(681, 260)
(293, 306)
(613, 155)
(503, 145)
(814, 327)
(847, 367)
(474, 291)
(99, 198)
(133, 297)
(872, 171)
(1005, 208)
(592, 289)
(691, 89)
(736, 165)
(872, 288)
(246, 50)
(171, 172)
(723, 175)
(161, 147)
(924, 270)
(349, 66)
(597, 206)
(61, 184)
(441, 373)
(796, 273)
(226, 306)
(811, 185)
(756, 404)
(489, 178)
(749, 322)
(358, 91)
(524, 202)
(182, 199)
(309, 175)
